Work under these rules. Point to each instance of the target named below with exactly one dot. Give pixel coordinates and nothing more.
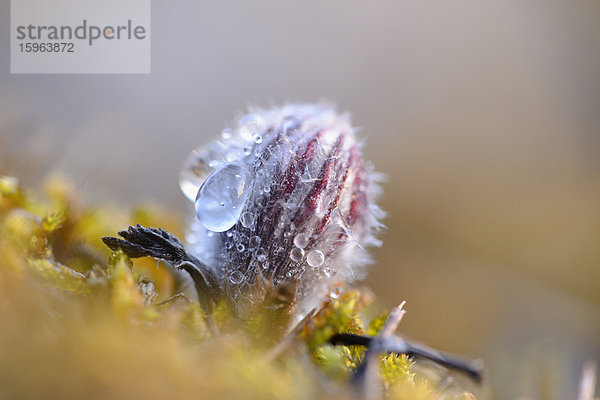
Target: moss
(82, 322)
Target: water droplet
(254, 242)
(267, 189)
(221, 197)
(289, 274)
(328, 271)
(240, 247)
(265, 265)
(258, 139)
(247, 220)
(261, 255)
(236, 277)
(201, 162)
(247, 151)
(315, 258)
(226, 134)
(229, 234)
(296, 254)
(301, 240)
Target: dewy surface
(285, 194)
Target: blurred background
(485, 117)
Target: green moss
(80, 321)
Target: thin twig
(365, 378)
(393, 320)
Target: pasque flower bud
(284, 194)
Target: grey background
(483, 115)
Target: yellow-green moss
(81, 322)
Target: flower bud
(284, 194)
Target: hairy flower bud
(284, 194)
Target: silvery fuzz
(283, 197)
(285, 194)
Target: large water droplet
(315, 258)
(301, 240)
(254, 242)
(296, 254)
(247, 220)
(221, 198)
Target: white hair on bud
(285, 194)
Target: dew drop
(247, 220)
(261, 255)
(265, 265)
(236, 277)
(301, 240)
(226, 134)
(315, 258)
(328, 271)
(296, 254)
(258, 139)
(254, 242)
(240, 247)
(221, 197)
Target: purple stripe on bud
(285, 194)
